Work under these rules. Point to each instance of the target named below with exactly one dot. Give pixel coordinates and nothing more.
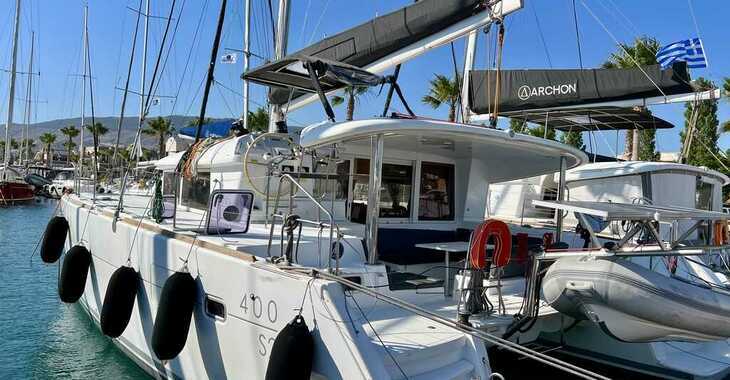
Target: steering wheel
(264, 154)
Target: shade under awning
(591, 119)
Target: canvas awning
(591, 119)
(529, 90)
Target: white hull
(260, 299)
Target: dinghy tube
(292, 352)
(174, 314)
(54, 239)
(634, 304)
(119, 301)
(75, 269)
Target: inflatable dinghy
(635, 304)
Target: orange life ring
(721, 234)
(502, 244)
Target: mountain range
(126, 136)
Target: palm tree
(162, 129)
(48, 139)
(725, 127)
(443, 91)
(352, 93)
(258, 121)
(70, 132)
(194, 122)
(97, 130)
(642, 52)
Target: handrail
(330, 217)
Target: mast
(282, 38)
(26, 132)
(83, 93)
(138, 138)
(471, 47)
(211, 69)
(11, 93)
(246, 60)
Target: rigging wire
(458, 83)
(542, 36)
(598, 20)
(273, 24)
(157, 62)
(169, 50)
(187, 61)
(319, 22)
(126, 85)
(577, 35)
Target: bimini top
(505, 156)
(591, 119)
(622, 168)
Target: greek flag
(690, 51)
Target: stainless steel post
(561, 197)
(373, 211)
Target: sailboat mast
(83, 92)
(26, 132)
(282, 38)
(211, 69)
(246, 60)
(11, 93)
(138, 138)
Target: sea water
(40, 336)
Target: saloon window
(196, 192)
(395, 190)
(703, 195)
(168, 183)
(339, 185)
(436, 196)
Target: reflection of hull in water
(635, 304)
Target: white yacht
(256, 272)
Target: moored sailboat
(13, 189)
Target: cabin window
(395, 190)
(340, 185)
(196, 192)
(168, 183)
(436, 196)
(703, 195)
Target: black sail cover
(386, 34)
(521, 90)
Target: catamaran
(266, 255)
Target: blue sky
(58, 27)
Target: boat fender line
(502, 244)
(54, 239)
(292, 352)
(75, 269)
(174, 313)
(119, 301)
